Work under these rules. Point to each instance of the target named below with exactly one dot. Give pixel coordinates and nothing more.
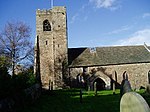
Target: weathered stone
(125, 87)
(114, 81)
(51, 28)
(95, 88)
(148, 88)
(137, 73)
(133, 102)
(105, 60)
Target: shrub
(24, 80)
(11, 85)
(5, 83)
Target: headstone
(125, 87)
(148, 89)
(95, 88)
(49, 85)
(114, 88)
(133, 102)
(114, 82)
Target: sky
(91, 23)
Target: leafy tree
(4, 62)
(15, 43)
(24, 79)
(17, 83)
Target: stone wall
(52, 45)
(137, 73)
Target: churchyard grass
(69, 101)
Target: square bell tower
(51, 33)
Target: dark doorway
(100, 84)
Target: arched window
(46, 25)
(149, 77)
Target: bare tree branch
(15, 41)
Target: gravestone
(114, 89)
(114, 81)
(125, 87)
(133, 102)
(95, 88)
(148, 89)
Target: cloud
(74, 17)
(122, 29)
(109, 4)
(145, 15)
(80, 13)
(138, 38)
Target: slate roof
(107, 56)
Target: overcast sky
(90, 22)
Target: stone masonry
(51, 29)
(137, 74)
(103, 65)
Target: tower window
(46, 25)
(59, 60)
(46, 42)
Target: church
(57, 66)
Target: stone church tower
(51, 43)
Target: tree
(15, 43)
(5, 79)
(4, 62)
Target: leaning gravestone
(133, 102)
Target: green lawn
(69, 101)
